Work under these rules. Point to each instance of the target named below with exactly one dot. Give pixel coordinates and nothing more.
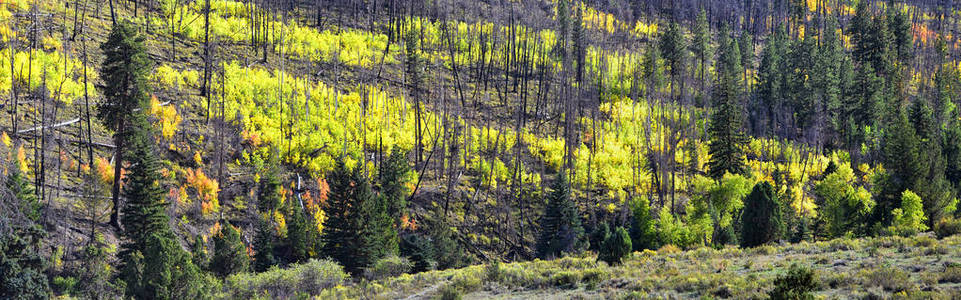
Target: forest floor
(920, 267)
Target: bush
(615, 247)
(947, 227)
(449, 292)
(230, 254)
(888, 278)
(494, 272)
(598, 236)
(797, 284)
(951, 274)
(307, 278)
(566, 279)
(390, 266)
(761, 219)
(909, 219)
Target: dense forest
(344, 149)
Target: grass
(885, 267)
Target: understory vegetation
(345, 149)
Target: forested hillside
(221, 149)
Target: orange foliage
(406, 222)
(104, 170)
(206, 188)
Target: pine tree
(264, 245)
(701, 44)
(770, 80)
(125, 90)
(616, 247)
(393, 176)
(22, 268)
(144, 213)
(358, 230)
(269, 191)
(298, 234)
(561, 230)
(726, 137)
(164, 271)
(230, 254)
(643, 234)
(761, 217)
(674, 51)
(599, 236)
(902, 165)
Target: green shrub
(616, 247)
(309, 278)
(947, 227)
(761, 219)
(449, 292)
(599, 235)
(566, 279)
(797, 284)
(493, 271)
(889, 278)
(951, 274)
(390, 266)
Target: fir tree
(561, 230)
(902, 165)
(22, 268)
(616, 247)
(298, 234)
(393, 176)
(264, 245)
(164, 271)
(125, 90)
(144, 213)
(358, 230)
(643, 234)
(269, 191)
(726, 137)
(230, 254)
(761, 217)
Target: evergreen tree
(561, 230)
(616, 247)
(164, 271)
(902, 167)
(269, 191)
(701, 44)
(378, 232)
(599, 236)
(745, 44)
(726, 137)
(674, 51)
(144, 213)
(264, 245)
(22, 268)
(393, 176)
(643, 234)
(828, 80)
(200, 254)
(298, 234)
(770, 81)
(125, 70)
(358, 230)
(230, 254)
(761, 217)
